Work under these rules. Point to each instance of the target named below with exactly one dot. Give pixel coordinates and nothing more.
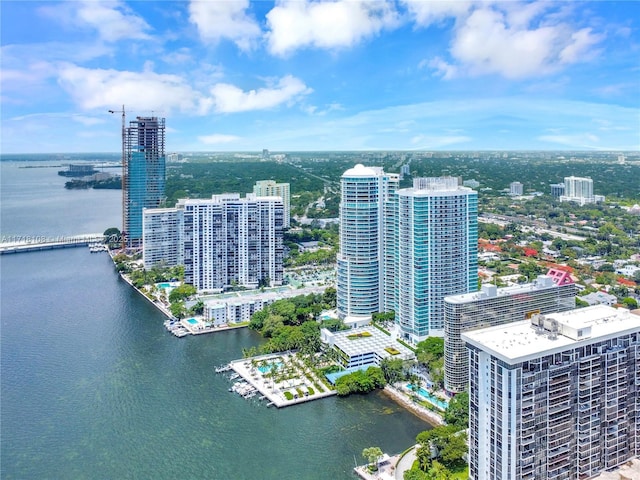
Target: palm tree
(372, 454)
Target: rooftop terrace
(528, 339)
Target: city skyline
(287, 76)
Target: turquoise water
(192, 321)
(430, 398)
(164, 285)
(269, 367)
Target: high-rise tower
(231, 240)
(578, 189)
(269, 188)
(437, 248)
(493, 306)
(366, 257)
(144, 173)
(554, 397)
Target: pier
(27, 243)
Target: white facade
(364, 346)
(269, 188)
(230, 241)
(554, 397)
(516, 189)
(161, 237)
(365, 260)
(437, 255)
(578, 189)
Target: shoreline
(401, 399)
(392, 393)
(168, 314)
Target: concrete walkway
(406, 463)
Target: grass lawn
(460, 474)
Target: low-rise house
(600, 298)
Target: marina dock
(301, 388)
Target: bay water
(94, 387)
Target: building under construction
(144, 173)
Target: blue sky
(331, 75)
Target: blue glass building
(365, 258)
(437, 252)
(144, 173)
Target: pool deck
(275, 392)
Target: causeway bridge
(33, 243)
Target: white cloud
(512, 39)
(298, 24)
(444, 69)
(425, 13)
(486, 44)
(178, 56)
(218, 138)
(112, 20)
(580, 46)
(99, 88)
(32, 75)
(228, 98)
(217, 20)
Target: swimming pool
(163, 285)
(193, 321)
(267, 368)
(438, 402)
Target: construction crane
(124, 177)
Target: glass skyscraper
(144, 173)
(365, 258)
(437, 249)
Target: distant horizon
(276, 152)
(318, 75)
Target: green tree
(449, 443)
(581, 303)
(329, 297)
(372, 454)
(430, 350)
(112, 236)
(630, 303)
(392, 369)
(182, 292)
(258, 319)
(457, 412)
(178, 310)
(416, 474)
(198, 308)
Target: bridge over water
(32, 243)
